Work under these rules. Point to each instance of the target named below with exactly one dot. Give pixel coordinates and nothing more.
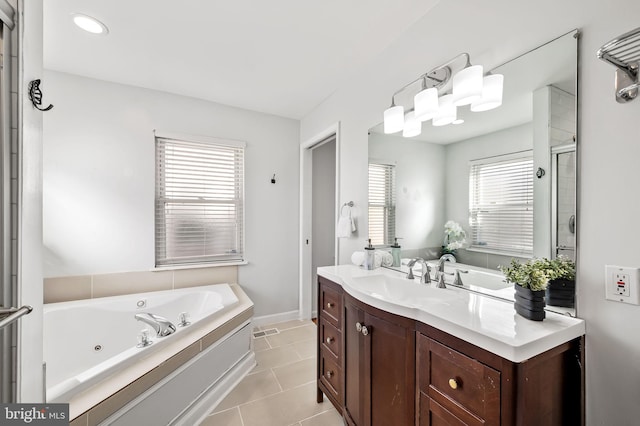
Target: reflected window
(199, 202)
(501, 204)
(382, 204)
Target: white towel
(381, 258)
(346, 226)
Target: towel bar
(623, 53)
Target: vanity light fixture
(412, 126)
(447, 113)
(459, 83)
(491, 93)
(393, 118)
(90, 24)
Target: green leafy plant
(561, 268)
(533, 274)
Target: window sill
(499, 252)
(197, 266)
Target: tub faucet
(162, 326)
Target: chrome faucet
(162, 326)
(425, 276)
(440, 269)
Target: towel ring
(349, 204)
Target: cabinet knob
(358, 327)
(330, 305)
(365, 331)
(329, 374)
(330, 339)
(453, 383)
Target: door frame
(305, 253)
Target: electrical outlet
(622, 284)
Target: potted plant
(562, 285)
(530, 281)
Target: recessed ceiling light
(458, 121)
(89, 24)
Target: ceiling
(282, 57)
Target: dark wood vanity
(378, 368)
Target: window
(199, 202)
(382, 204)
(501, 204)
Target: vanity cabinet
(379, 366)
(461, 384)
(330, 343)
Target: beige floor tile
(252, 387)
(328, 418)
(285, 325)
(260, 344)
(297, 334)
(307, 348)
(284, 408)
(225, 418)
(275, 357)
(296, 374)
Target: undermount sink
(402, 290)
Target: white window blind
(199, 202)
(501, 204)
(382, 204)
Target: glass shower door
(564, 201)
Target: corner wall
(99, 182)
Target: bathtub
(87, 342)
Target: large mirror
(440, 175)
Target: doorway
(318, 213)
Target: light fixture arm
(429, 75)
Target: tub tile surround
(96, 404)
(78, 287)
(280, 390)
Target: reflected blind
(501, 204)
(199, 212)
(382, 204)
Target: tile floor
(281, 389)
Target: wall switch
(622, 284)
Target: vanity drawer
(330, 304)
(331, 374)
(461, 384)
(331, 338)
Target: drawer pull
(329, 374)
(365, 331)
(453, 383)
(330, 305)
(358, 327)
(330, 340)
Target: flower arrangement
(454, 237)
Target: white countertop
(489, 323)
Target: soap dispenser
(369, 257)
(395, 252)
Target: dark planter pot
(530, 304)
(561, 292)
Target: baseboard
(275, 318)
(208, 400)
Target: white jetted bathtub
(88, 341)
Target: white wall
(99, 182)
(494, 31)
(420, 171)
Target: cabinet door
(390, 350)
(355, 392)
